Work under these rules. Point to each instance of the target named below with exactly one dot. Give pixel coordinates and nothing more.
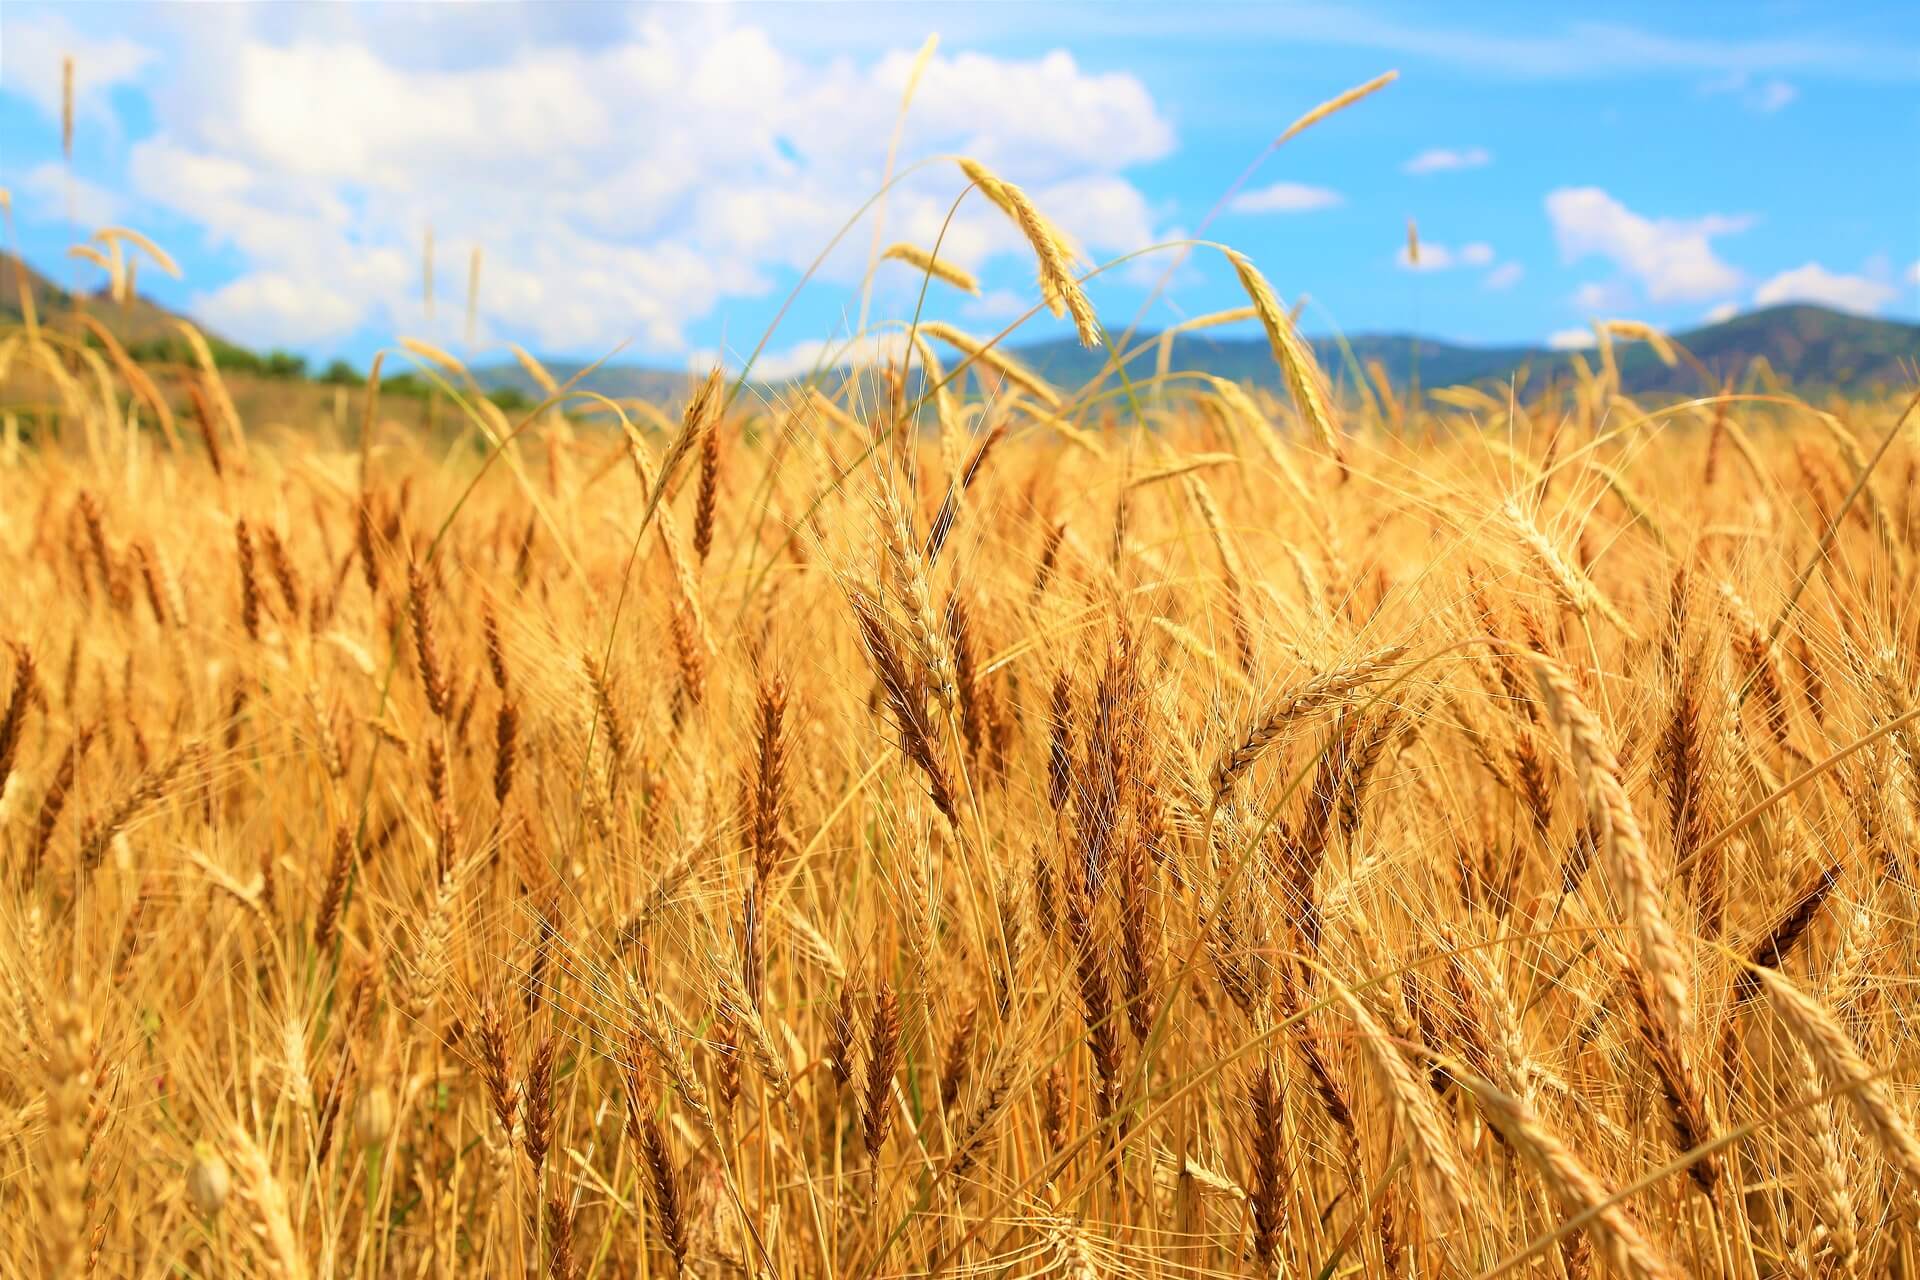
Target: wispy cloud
(1763, 96)
(1286, 197)
(1514, 46)
(1583, 50)
(1504, 276)
(1570, 339)
(1447, 160)
(1725, 311)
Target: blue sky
(661, 176)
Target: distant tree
(511, 399)
(407, 384)
(339, 373)
(283, 364)
(159, 351)
(235, 359)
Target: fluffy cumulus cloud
(618, 189)
(1670, 259)
(1570, 339)
(1448, 159)
(273, 308)
(1814, 283)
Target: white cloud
(1725, 311)
(1447, 159)
(54, 195)
(1913, 273)
(1039, 115)
(1174, 267)
(1672, 259)
(1765, 97)
(805, 357)
(1440, 257)
(1814, 283)
(1577, 49)
(1433, 257)
(270, 308)
(1570, 339)
(1286, 197)
(995, 304)
(31, 54)
(1774, 95)
(624, 189)
(1105, 211)
(1609, 296)
(1504, 276)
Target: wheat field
(933, 822)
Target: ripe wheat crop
(934, 822)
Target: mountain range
(1810, 347)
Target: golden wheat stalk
(1840, 1062)
(939, 268)
(1629, 859)
(1338, 102)
(992, 357)
(1575, 590)
(1306, 383)
(1055, 253)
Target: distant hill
(615, 381)
(1812, 348)
(1250, 359)
(146, 330)
(1808, 346)
(134, 323)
